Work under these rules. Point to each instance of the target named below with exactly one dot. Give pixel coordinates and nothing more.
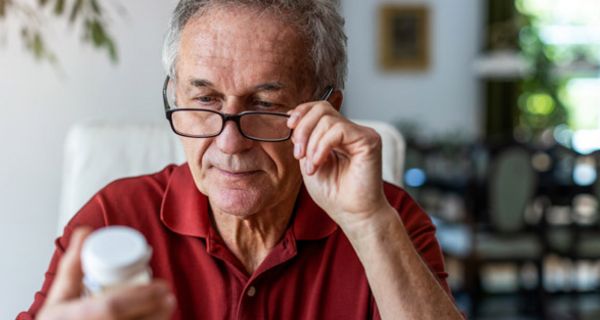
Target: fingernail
(297, 150)
(292, 119)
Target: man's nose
(231, 140)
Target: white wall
(443, 98)
(39, 103)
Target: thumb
(67, 283)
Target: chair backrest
(97, 153)
(512, 183)
(393, 150)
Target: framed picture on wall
(403, 37)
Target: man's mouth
(236, 173)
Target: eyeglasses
(207, 123)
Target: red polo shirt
(313, 273)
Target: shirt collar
(185, 210)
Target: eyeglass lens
(205, 123)
(200, 123)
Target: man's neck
(251, 238)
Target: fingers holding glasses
(311, 123)
(304, 119)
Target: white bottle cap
(113, 254)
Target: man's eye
(206, 99)
(264, 104)
(206, 102)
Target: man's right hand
(153, 301)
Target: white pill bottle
(115, 256)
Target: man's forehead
(241, 28)
(239, 39)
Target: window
(570, 33)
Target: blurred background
(498, 102)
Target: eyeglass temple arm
(327, 94)
(164, 93)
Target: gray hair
(318, 20)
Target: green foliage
(59, 7)
(75, 10)
(569, 56)
(540, 104)
(3, 4)
(95, 32)
(87, 13)
(34, 42)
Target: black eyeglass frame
(228, 117)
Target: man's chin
(237, 202)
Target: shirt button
(251, 291)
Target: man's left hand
(340, 163)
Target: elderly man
(280, 211)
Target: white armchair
(99, 152)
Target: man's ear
(336, 99)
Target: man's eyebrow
(269, 86)
(201, 83)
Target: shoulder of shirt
(126, 201)
(157, 180)
(395, 194)
(131, 201)
(409, 210)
